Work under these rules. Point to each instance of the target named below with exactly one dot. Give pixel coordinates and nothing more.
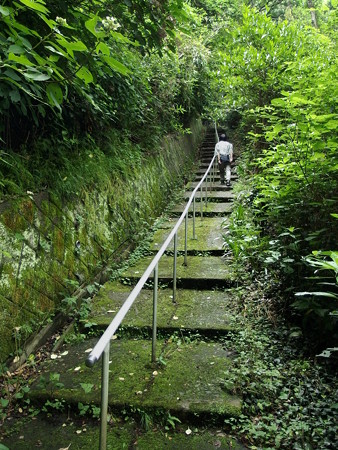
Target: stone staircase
(188, 381)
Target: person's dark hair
(222, 137)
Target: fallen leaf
(188, 431)
(78, 431)
(175, 318)
(155, 373)
(77, 369)
(53, 356)
(64, 353)
(114, 337)
(88, 350)
(121, 378)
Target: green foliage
(282, 79)
(289, 401)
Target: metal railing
(103, 345)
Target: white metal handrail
(102, 346)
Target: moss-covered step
(55, 432)
(189, 382)
(213, 196)
(216, 186)
(200, 272)
(209, 210)
(204, 311)
(208, 235)
(201, 171)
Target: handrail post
(201, 200)
(186, 241)
(104, 397)
(155, 295)
(175, 268)
(193, 219)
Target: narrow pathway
(188, 383)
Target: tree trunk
(313, 13)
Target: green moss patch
(207, 232)
(193, 310)
(82, 433)
(212, 196)
(59, 431)
(211, 208)
(196, 440)
(191, 381)
(208, 268)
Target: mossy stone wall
(48, 244)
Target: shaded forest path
(186, 388)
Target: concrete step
(65, 431)
(201, 171)
(190, 382)
(211, 209)
(206, 312)
(208, 234)
(216, 186)
(201, 272)
(213, 196)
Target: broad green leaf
(12, 74)
(118, 37)
(317, 294)
(58, 50)
(20, 59)
(51, 23)
(116, 65)
(87, 387)
(5, 11)
(77, 46)
(36, 5)
(17, 49)
(278, 102)
(3, 447)
(36, 75)
(322, 118)
(297, 99)
(331, 124)
(318, 156)
(54, 93)
(278, 127)
(71, 46)
(85, 75)
(15, 95)
(91, 26)
(26, 30)
(41, 61)
(103, 48)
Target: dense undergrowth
(289, 398)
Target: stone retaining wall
(48, 246)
